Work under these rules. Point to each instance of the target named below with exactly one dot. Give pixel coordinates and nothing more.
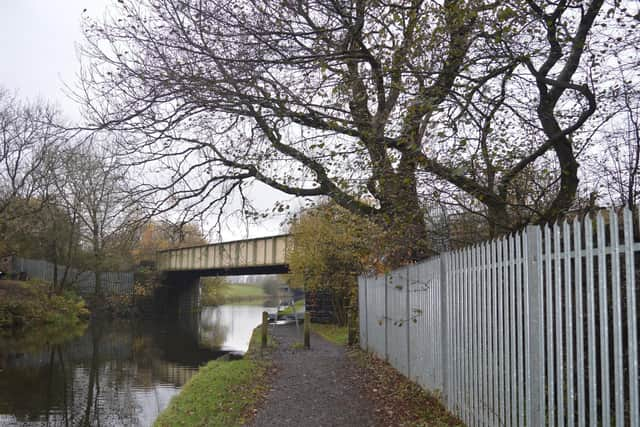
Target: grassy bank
(222, 393)
(334, 333)
(299, 308)
(243, 292)
(26, 305)
(227, 293)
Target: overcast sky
(38, 47)
(38, 40)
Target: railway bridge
(182, 268)
(264, 255)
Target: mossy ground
(222, 393)
(218, 395)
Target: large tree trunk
(568, 165)
(498, 220)
(403, 217)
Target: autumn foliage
(331, 248)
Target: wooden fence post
(265, 328)
(307, 330)
(350, 327)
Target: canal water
(115, 373)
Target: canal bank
(118, 372)
(31, 305)
(222, 393)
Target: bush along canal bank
(222, 393)
(30, 304)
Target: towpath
(319, 387)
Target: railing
(84, 282)
(537, 328)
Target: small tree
(29, 140)
(331, 247)
(618, 171)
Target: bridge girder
(265, 255)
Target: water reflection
(229, 327)
(117, 373)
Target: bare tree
(615, 168)
(360, 101)
(30, 135)
(94, 190)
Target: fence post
(408, 317)
(366, 315)
(535, 329)
(386, 317)
(307, 330)
(444, 347)
(264, 330)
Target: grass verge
(299, 307)
(232, 293)
(333, 333)
(222, 393)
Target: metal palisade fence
(538, 328)
(84, 282)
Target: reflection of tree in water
(72, 384)
(96, 396)
(28, 387)
(117, 373)
(213, 331)
(30, 377)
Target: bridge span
(263, 255)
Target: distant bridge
(264, 255)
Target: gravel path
(316, 387)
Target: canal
(115, 373)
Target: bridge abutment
(182, 291)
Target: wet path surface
(316, 387)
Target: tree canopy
(371, 103)
(158, 235)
